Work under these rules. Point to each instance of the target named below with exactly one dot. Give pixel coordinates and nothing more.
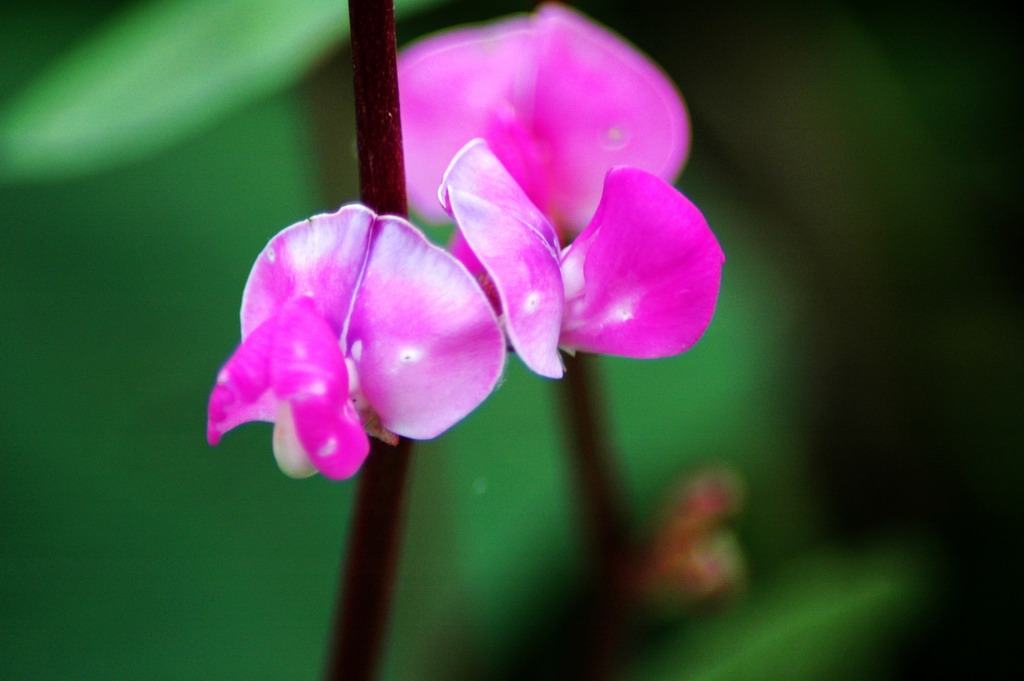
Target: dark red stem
(593, 459)
(361, 620)
(373, 551)
(378, 126)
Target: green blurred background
(862, 376)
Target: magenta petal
(516, 245)
(461, 251)
(321, 257)
(598, 103)
(331, 435)
(642, 280)
(242, 392)
(422, 336)
(521, 153)
(451, 86)
(291, 370)
(308, 372)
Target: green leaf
(159, 71)
(833, 616)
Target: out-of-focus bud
(695, 560)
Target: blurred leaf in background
(159, 71)
(829, 616)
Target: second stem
(602, 506)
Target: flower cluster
(558, 98)
(528, 132)
(640, 281)
(354, 320)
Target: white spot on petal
(410, 355)
(615, 137)
(531, 302)
(357, 350)
(271, 254)
(328, 448)
(623, 310)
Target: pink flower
(640, 281)
(558, 98)
(354, 322)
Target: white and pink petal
(422, 337)
(516, 245)
(321, 257)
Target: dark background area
(862, 377)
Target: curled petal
(516, 245)
(308, 372)
(642, 280)
(242, 392)
(454, 87)
(598, 102)
(290, 369)
(422, 336)
(321, 257)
